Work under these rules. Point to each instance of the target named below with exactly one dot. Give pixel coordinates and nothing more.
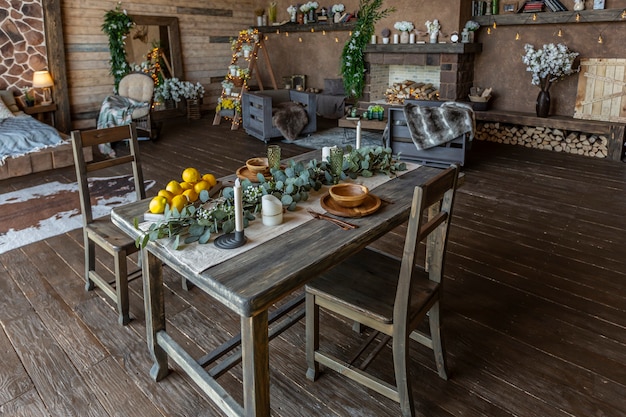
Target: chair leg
(434, 320)
(403, 382)
(90, 262)
(121, 287)
(312, 336)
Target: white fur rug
(53, 208)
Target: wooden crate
(601, 93)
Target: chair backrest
(90, 138)
(429, 221)
(138, 86)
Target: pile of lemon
(178, 194)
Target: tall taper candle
(238, 206)
(358, 134)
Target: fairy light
(534, 17)
(324, 32)
(278, 31)
(560, 33)
(600, 40)
(624, 14)
(495, 26)
(336, 40)
(300, 39)
(286, 34)
(577, 17)
(517, 36)
(488, 31)
(267, 38)
(312, 30)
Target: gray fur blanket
(433, 126)
(289, 118)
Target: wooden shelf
(549, 18)
(426, 48)
(295, 27)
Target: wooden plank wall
(205, 29)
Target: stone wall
(22, 43)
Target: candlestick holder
(231, 240)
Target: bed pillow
(9, 100)
(4, 111)
(334, 87)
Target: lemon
(201, 185)
(186, 185)
(178, 202)
(191, 195)
(174, 187)
(210, 178)
(167, 194)
(191, 175)
(157, 204)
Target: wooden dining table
(253, 281)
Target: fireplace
(450, 67)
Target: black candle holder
(230, 240)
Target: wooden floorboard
(534, 303)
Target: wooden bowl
(257, 165)
(348, 195)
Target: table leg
(155, 312)
(256, 369)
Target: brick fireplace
(452, 63)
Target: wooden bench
(613, 131)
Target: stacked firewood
(544, 138)
(408, 89)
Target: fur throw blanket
(289, 118)
(433, 126)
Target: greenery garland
(352, 57)
(290, 185)
(117, 25)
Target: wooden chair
(102, 232)
(139, 86)
(390, 295)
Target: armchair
(262, 111)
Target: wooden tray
(370, 205)
(244, 173)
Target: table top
(252, 281)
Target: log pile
(544, 138)
(407, 89)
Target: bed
(28, 145)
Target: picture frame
(598, 4)
(509, 7)
(298, 82)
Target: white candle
(358, 134)
(238, 206)
(412, 38)
(396, 38)
(271, 210)
(373, 41)
(325, 153)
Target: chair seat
(109, 236)
(139, 113)
(367, 282)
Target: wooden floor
(535, 303)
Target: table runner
(198, 257)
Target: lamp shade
(42, 79)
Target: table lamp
(42, 79)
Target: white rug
(340, 137)
(50, 209)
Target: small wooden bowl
(257, 165)
(348, 195)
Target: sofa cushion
(4, 111)
(9, 99)
(334, 87)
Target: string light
(488, 31)
(600, 40)
(300, 39)
(336, 40)
(278, 31)
(286, 34)
(624, 14)
(560, 33)
(494, 24)
(267, 38)
(324, 32)
(312, 30)
(517, 36)
(577, 17)
(534, 17)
